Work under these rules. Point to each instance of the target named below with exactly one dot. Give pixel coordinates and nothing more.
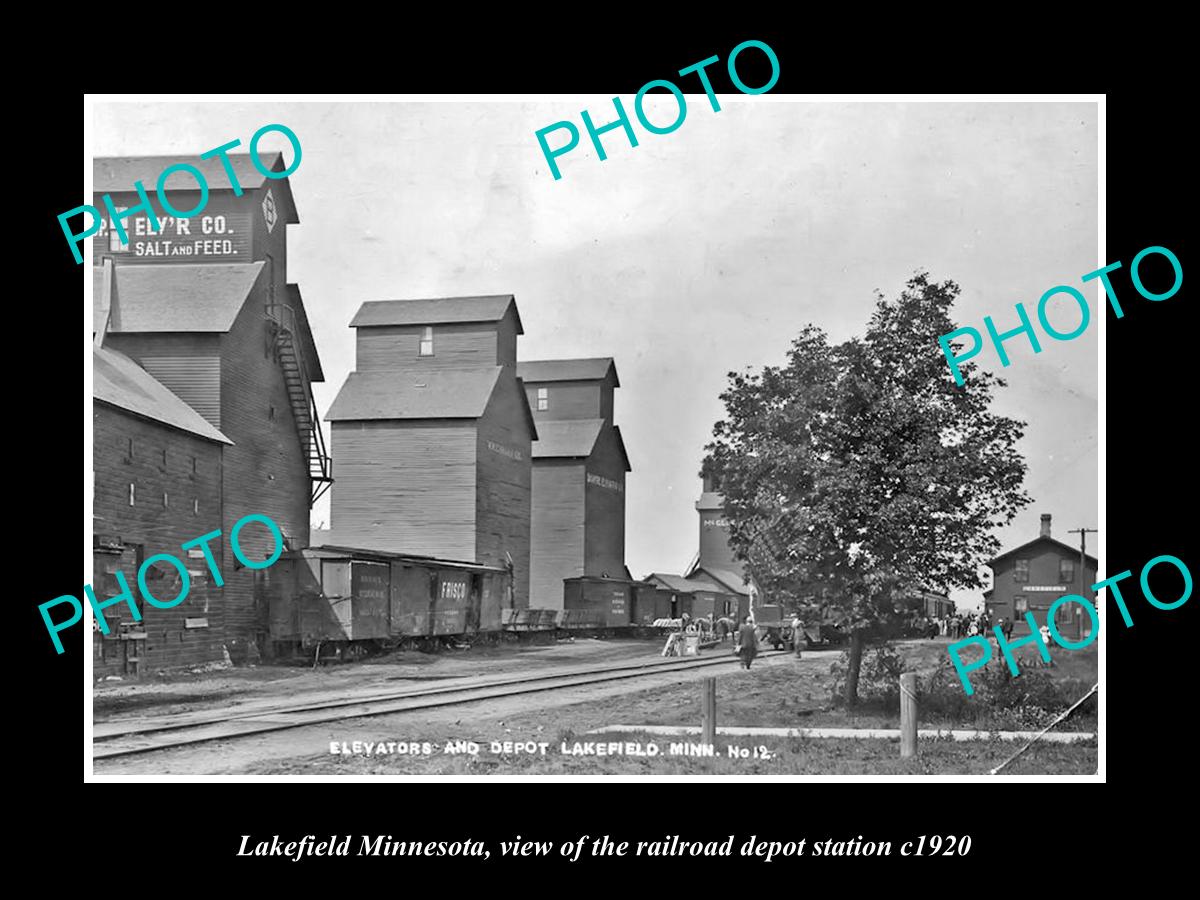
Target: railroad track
(115, 739)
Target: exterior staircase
(304, 409)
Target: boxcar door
(335, 621)
(370, 587)
(412, 600)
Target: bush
(878, 678)
(1001, 701)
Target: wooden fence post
(908, 714)
(708, 711)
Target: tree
(861, 468)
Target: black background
(1025, 835)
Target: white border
(88, 135)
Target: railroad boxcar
(344, 594)
(600, 602)
(650, 603)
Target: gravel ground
(778, 691)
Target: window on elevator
(426, 342)
(543, 398)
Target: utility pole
(1083, 533)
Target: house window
(1020, 605)
(543, 398)
(195, 507)
(165, 503)
(1066, 571)
(131, 493)
(193, 465)
(164, 456)
(130, 452)
(1021, 571)
(427, 342)
(271, 413)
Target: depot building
(1029, 578)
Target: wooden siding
(605, 508)
(568, 399)
(405, 486)
(219, 233)
(189, 365)
(454, 347)
(271, 244)
(557, 530)
(504, 484)
(506, 339)
(715, 551)
(266, 471)
(148, 528)
(1044, 559)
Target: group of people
(961, 625)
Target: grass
(794, 694)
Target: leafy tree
(861, 468)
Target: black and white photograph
(562, 436)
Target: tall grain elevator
(433, 434)
(202, 304)
(579, 467)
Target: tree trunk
(856, 653)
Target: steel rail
(155, 737)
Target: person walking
(797, 635)
(747, 643)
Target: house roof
(728, 578)
(1058, 545)
(415, 394)
(595, 369)
(685, 585)
(566, 438)
(117, 174)
(185, 298)
(436, 311)
(118, 381)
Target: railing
(320, 466)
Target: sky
(696, 253)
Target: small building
(1029, 578)
(579, 467)
(700, 597)
(433, 435)
(157, 485)
(203, 305)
